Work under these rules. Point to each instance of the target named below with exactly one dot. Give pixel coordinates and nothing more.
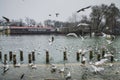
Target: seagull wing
(80, 10)
(83, 9)
(6, 19)
(87, 7)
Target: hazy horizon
(39, 10)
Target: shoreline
(43, 72)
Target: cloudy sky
(39, 10)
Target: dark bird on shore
(57, 14)
(22, 76)
(6, 19)
(52, 38)
(83, 9)
(5, 68)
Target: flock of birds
(53, 68)
(93, 66)
(109, 38)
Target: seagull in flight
(6, 18)
(57, 14)
(50, 15)
(83, 9)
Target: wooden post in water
(82, 54)
(83, 59)
(33, 55)
(52, 38)
(14, 60)
(5, 56)
(91, 55)
(98, 56)
(29, 58)
(112, 58)
(65, 55)
(0, 55)
(10, 55)
(103, 52)
(47, 57)
(5, 59)
(21, 55)
(78, 56)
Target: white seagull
(53, 68)
(68, 76)
(62, 70)
(34, 66)
(96, 69)
(102, 61)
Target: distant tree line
(103, 18)
(30, 22)
(27, 22)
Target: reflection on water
(40, 43)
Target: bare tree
(48, 22)
(108, 13)
(30, 22)
(111, 16)
(39, 24)
(84, 19)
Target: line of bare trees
(103, 18)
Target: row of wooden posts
(31, 56)
(12, 57)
